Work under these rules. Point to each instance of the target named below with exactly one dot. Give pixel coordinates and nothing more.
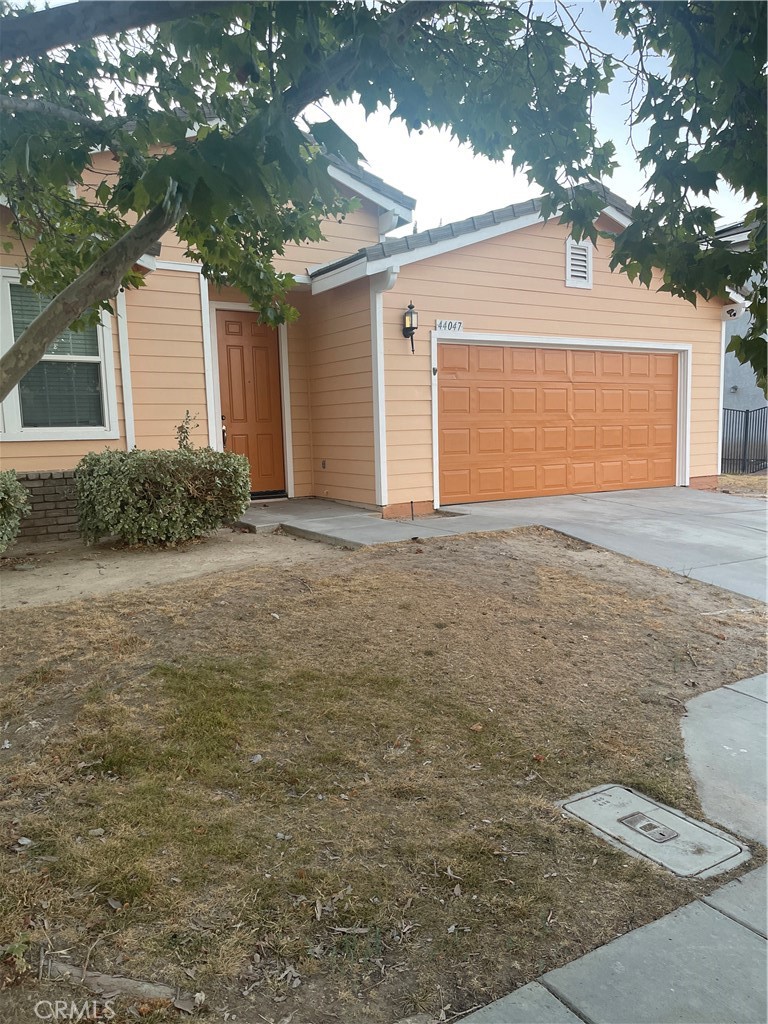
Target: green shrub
(14, 505)
(159, 497)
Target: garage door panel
(612, 436)
(662, 470)
(490, 440)
(553, 364)
(553, 477)
(584, 475)
(520, 362)
(611, 400)
(637, 436)
(554, 439)
(665, 366)
(455, 399)
(521, 480)
(489, 359)
(522, 439)
(585, 400)
(638, 365)
(611, 474)
(663, 401)
(554, 399)
(637, 470)
(490, 482)
(584, 365)
(454, 357)
(522, 422)
(489, 399)
(584, 438)
(456, 441)
(522, 399)
(611, 364)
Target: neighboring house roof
(735, 235)
(424, 244)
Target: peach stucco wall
(515, 284)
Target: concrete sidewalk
(706, 963)
(712, 537)
(702, 964)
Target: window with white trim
(70, 393)
(578, 263)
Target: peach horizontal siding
(515, 284)
(165, 339)
(337, 328)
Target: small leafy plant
(14, 505)
(160, 497)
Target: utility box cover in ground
(644, 828)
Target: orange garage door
(522, 422)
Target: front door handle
(223, 431)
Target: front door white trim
(285, 386)
(683, 350)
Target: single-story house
(534, 370)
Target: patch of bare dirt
(40, 574)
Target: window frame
(575, 282)
(11, 428)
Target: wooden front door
(249, 375)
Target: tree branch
(17, 105)
(36, 32)
(314, 84)
(99, 282)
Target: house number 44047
(449, 325)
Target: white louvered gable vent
(578, 264)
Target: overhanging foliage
(200, 115)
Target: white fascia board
(366, 192)
(148, 263)
(344, 275)
(620, 218)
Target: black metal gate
(745, 440)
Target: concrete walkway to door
(713, 537)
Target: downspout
(379, 284)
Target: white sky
(449, 182)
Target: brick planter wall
(54, 506)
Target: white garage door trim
(683, 351)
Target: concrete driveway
(717, 538)
(713, 537)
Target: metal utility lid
(644, 828)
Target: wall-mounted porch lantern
(410, 324)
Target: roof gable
(411, 248)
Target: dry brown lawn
(755, 484)
(327, 792)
